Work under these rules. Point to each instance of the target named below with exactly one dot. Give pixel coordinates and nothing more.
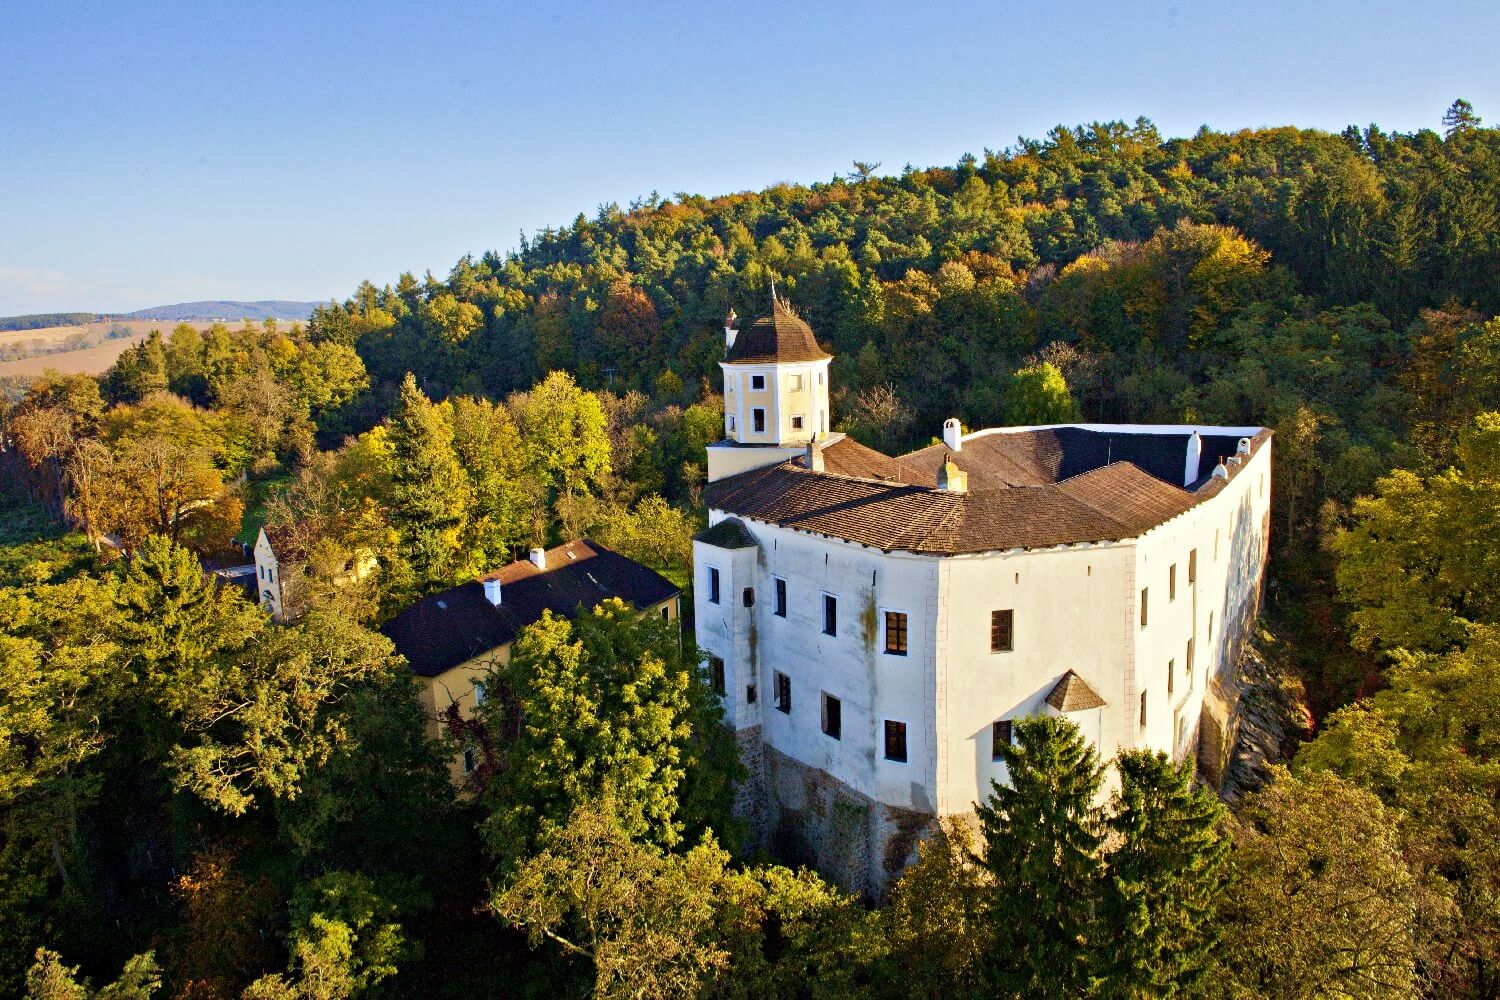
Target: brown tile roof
(1073, 694)
(443, 630)
(892, 504)
(780, 335)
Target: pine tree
(430, 494)
(1165, 874)
(1042, 836)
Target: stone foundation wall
(804, 816)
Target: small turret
(730, 330)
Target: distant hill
(181, 312)
(264, 309)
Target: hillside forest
(198, 803)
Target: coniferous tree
(1165, 871)
(1042, 835)
(430, 494)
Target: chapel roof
(444, 630)
(780, 335)
(1034, 488)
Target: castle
(876, 624)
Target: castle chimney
(1221, 471)
(1244, 448)
(492, 590)
(953, 434)
(814, 458)
(729, 331)
(1194, 459)
(539, 558)
(952, 479)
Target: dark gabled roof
(285, 546)
(1013, 501)
(780, 335)
(729, 533)
(1073, 694)
(443, 630)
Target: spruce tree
(1042, 837)
(430, 494)
(1165, 871)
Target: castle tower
(775, 392)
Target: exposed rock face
(1251, 720)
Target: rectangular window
(479, 694)
(1143, 709)
(797, 422)
(713, 585)
(757, 381)
(1193, 566)
(1171, 669)
(1172, 582)
(751, 694)
(833, 717)
(1145, 593)
(796, 383)
(471, 760)
(830, 615)
(666, 612)
(895, 741)
(1002, 634)
(1187, 663)
(749, 597)
(780, 599)
(716, 674)
(895, 633)
(783, 693)
(1210, 629)
(758, 420)
(999, 739)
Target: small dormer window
(757, 382)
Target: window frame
(757, 420)
(904, 632)
(832, 721)
(713, 585)
(1145, 606)
(797, 421)
(997, 728)
(885, 747)
(1172, 582)
(757, 383)
(469, 760)
(778, 608)
(717, 675)
(830, 621)
(1008, 623)
(781, 684)
(1142, 722)
(1192, 567)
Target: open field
(89, 360)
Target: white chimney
(814, 459)
(539, 558)
(1244, 448)
(1194, 457)
(492, 590)
(953, 434)
(729, 331)
(951, 479)
(1221, 471)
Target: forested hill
(1101, 236)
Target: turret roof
(780, 335)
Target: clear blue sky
(156, 152)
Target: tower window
(797, 422)
(1193, 566)
(833, 716)
(796, 383)
(716, 674)
(830, 615)
(757, 381)
(999, 738)
(1143, 709)
(1002, 632)
(783, 692)
(1145, 593)
(1172, 582)
(895, 633)
(713, 585)
(780, 608)
(750, 694)
(758, 420)
(895, 741)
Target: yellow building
(452, 640)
